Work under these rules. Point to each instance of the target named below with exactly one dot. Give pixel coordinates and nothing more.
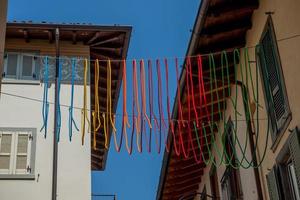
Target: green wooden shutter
(272, 185)
(274, 83)
(294, 146)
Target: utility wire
(79, 108)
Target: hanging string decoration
(208, 113)
(45, 109)
(84, 110)
(71, 117)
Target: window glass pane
(4, 162)
(12, 64)
(5, 143)
(22, 143)
(21, 162)
(27, 66)
(37, 72)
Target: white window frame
(13, 172)
(19, 70)
(7, 171)
(21, 76)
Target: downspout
(251, 134)
(3, 18)
(55, 142)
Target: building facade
(270, 33)
(26, 155)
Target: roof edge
(69, 26)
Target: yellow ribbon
(84, 114)
(105, 131)
(109, 96)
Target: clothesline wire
(181, 57)
(78, 108)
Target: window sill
(277, 140)
(20, 82)
(17, 177)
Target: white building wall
(74, 160)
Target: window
(214, 186)
(283, 179)
(231, 181)
(273, 82)
(20, 66)
(17, 152)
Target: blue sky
(161, 28)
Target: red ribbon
(192, 96)
(160, 107)
(177, 150)
(180, 121)
(144, 114)
(150, 90)
(136, 104)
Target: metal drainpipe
(55, 144)
(3, 18)
(256, 172)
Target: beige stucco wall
(247, 175)
(286, 20)
(74, 160)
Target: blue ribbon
(71, 119)
(45, 109)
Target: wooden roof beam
(102, 57)
(95, 37)
(114, 39)
(180, 170)
(26, 35)
(183, 184)
(117, 50)
(184, 174)
(50, 36)
(74, 37)
(183, 181)
(228, 16)
(239, 23)
(227, 6)
(234, 42)
(180, 191)
(207, 40)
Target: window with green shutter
(273, 184)
(273, 82)
(284, 178)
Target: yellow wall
(286, 20)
